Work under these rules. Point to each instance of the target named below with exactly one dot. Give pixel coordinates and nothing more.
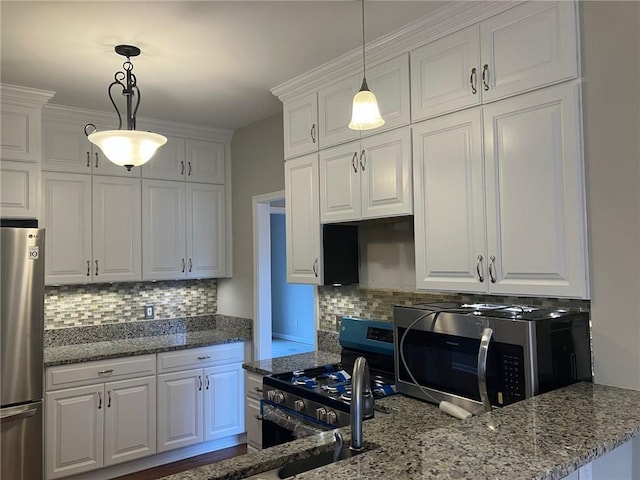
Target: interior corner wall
(610, 37)
(257, 167)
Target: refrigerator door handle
(18, 413)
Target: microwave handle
(482, 368)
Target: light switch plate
(149, 312)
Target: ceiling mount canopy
(365, 114)
(128, 148)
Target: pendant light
(128, 148)
(365, 114)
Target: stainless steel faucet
(361, 401)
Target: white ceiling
(203, 62)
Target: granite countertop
(300, 361)
(85, 352)
(544, 438)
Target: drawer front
(201, 357)
(253, 385)
(78, 374)
(253, 423)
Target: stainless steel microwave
(480, 356)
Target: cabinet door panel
(74, 430)
(20, 133)
(66, 148)
(223, 408)
(529, 46)
(179, 404)
(163, 230)
(205, 161)
(66, 215)
(340, 183)
(441, 75)
(206, 231)
(169, 162)
(385, 175)
(535, 194)
(130, 420)
(302, 208)
(334, 109)
(301, 126)
(253, 424)
(19, 183)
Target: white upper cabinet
(303, 230)
(169, 162)
(301, 126)
(527, 47)
(334, 111)
(367, 179)
(205, 161)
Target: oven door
(437, 366)
(281, 425)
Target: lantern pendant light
(128, 148)
(365, 114)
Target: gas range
(321, 396)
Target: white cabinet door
(385, 174)
(529, 46)
(389, 81)
(206, 230)
(169, 162)
(66, 148)
(302, 209)
(301, 126)
(74, 430)
(20, 131)
(340, 183)
(449, 203)
(535, 194)
(179, 405)
(163, 230)
(129, 420)
(19, 183)
(253, 423)
(66, 215)
(334, 109)
(117, 230)
(223, 406)
(205, 161)
(444, 74)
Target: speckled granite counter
(543, 438)
(292, 362)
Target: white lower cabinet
(253, 395)
(197, 405)
(101, 424)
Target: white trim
(18, 95)
(292, 338)
(448, 19)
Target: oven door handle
(483, 353)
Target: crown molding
(444, 21)
(25, 96)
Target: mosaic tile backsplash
(336, 302)
(100, 304)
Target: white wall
(257, 167)
(611, 102)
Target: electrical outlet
(148, 312)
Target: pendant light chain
(364, 65)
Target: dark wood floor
(189, 463)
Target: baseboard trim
(292, 338)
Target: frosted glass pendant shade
(127, 148)
(365, 113)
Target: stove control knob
(298, 405)
(321, 414)
(278, 397)
(332, 417)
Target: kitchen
(611, 188)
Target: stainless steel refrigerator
(21, 350)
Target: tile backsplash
(99, 304)
(335, 302)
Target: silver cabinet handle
(207, 379)
(259, 418)
(190, 264)
(88, 159)
(315, 267)
(482, 368)
(257, 389)
(99, 400)
(485, 77)
(473, 80)
(97, 268)
(479, 261)
(313, 133)
(354, 162)
(492, 275)
(17, 413)
(108, 398)
(181, 167)
(88, 268)
(363, 160)
(96, 159)
(189, 170)
(104, 372)
(183, 267)
(204, 357)
(200, 382)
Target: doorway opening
(284, 313)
